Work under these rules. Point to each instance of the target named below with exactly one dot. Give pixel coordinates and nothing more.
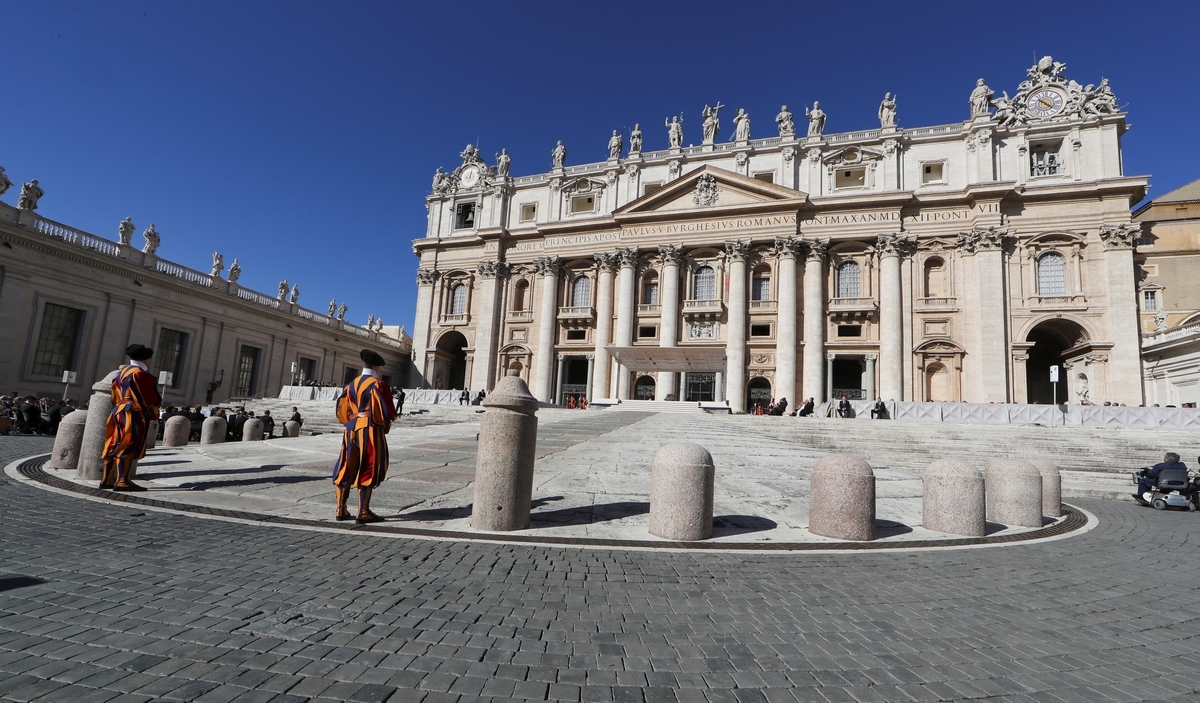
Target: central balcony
(703, 309)
(451, 320)
(581, 313)
(852, 309)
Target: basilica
(985, 260)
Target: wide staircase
(658, 406)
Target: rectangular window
(849, 330)
(850, 178)
(576, 335)
(57, 340)
(1044, 160)
(528, 212)
(583, 203)
(765, 176)
(168, 355)
(651, 188)
(933, 173)
(247, 372)
(760, 330)
(307, 370)
(1150, 300)
(647, 331)
(650, 294)
(349, 374)
(760, 289)
(464, 216)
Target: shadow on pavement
(725, 525)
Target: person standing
(365, 409)
(135, 400)
(400, 403)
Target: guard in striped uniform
(135, 402)
(365, 408)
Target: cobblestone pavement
(101, 602)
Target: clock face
(1045, 103)
(469, 177)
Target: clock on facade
(469, 176)
(1046, 103)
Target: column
(735, 335)
(558, 399)
(601, 388)
(719, 386)
(492, 275)
(626, 312)
(426, 279)
(591, 365)
(668, 298)
(891, 325)
(869, 376)
(548, 268)
(1125, 375)
(992, 318)
(814, 376)
(785, 325)
(829, 374)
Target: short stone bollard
(504, 467)
(91, 451)
(681, 493)
(1014, 493)
(213, 430)
(291, 428)
(252, 431)
(68, 441)
(842, 499)
(152, 434)
(177, 431)
(1051, 487)
(954, 500)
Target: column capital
(605, 260)
(493, 269)
(549, 265)
(895, 244)
(1122, 236)
(830, 357)
(670, 254)
(786, 247)
(628, 257)
(815, 248)
(983, 239)
(427, 277)
(736, 250)
(870, 357)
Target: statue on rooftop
(559, 156)
(152, 240)
(816, 119)
(295, 294)
(218, 264)
(887, 111)
(235, 271)
(30, 194)
(333, 307)
(283, 288)
(741, 126)
(370, 321)
(503, 162)
(712, 122)
(5, 184)
(787, 123)
(981, 99)
(635, 139)
(125, 231)
(674, 132)
(341, 313)
(614, 146)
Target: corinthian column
(426, 278)
(814, 319)
(604, 309)
(890, 247)
(668, 331)
(1125, 376)
(785, 326)
(986, 245)
(548, 268)
(492, 275)
(735, 335)
(626, 312)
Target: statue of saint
(333, 307)
(741, 126)
(370, 321)
(341, 313)
(615, 144)
(30, 194)
(1100, 101)
(218, 264)
(712, 122)
(283, 287)
(379, 324)
(559, 156)
(503, 161)
(887, 111)
(635, 141)
(152, 240)
(786, 122)
(674, 132)
(5, 184)
(295, 294)
(816, 119)
(439, 179)
(235, 271)
(1005, 111)
(125, 231)
(981, 99)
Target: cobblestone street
(103, 602)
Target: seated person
(843, 408)
(806, 409)
(879, 410)
(1147, 478)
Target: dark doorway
(847, 379)
(759, 394)
(1050, 339)
(700, 387)
(450, 351)
(576, 372)
(644, 388)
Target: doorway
(452, 355)
(1050, 339)
(644, 388)
(759, 394)
(847, 378)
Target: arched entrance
(1050, 340)
(644, 388)
(758, 392)
(450, 363)
(937, 383)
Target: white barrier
(1019, 414)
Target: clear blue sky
(301, 137)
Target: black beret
(371, 358)
(138, 352)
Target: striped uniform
(135, 402)
(365, 408)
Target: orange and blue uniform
(135, 402)
(365, 408)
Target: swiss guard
(135, 403)
(365, 409)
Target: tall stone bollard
(954, 500)
(1014, 493)
(91, 451)
(252, 431)
(504, 467)
(681, 493)
(177, 431)
(213, 430)
(291, 428)
(1051, 487)
(842, 499)
(152, 434)
(68, 441)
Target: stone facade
(72, 301)
(956, 262)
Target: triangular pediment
(712, 188)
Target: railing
(1170, 335)
(762, 304)
(70, 235)
(854, 136)
(585, 312)
(256, 297)
(939, 129)
(314, 316)
(518, 316)
(459, 319)
(936, 302)
(702, 305)
(187, 274)
(652, 309)
(1059, 300)
(850, 393)
(852, 303)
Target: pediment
(711, 188)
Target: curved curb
(1077, 521)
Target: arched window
(458, 299)
(760, 286)
(1051, 274)
(848, 280)
(650, 290)
(581, 292)
(705, 287)
(520, 293)
(935, 277)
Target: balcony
(703, 309)
(852, 309)
(1049, 303)
(583, 313)
(763, 305)
(449, 320)
(937, 303)
(518, 316)
(650, 310)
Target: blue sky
(301, 137)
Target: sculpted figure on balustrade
(152, 240)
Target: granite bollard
(91, 451)
(291, 428)
(1051, 487)
(68, 441)
(152, 434)
(504, 467)
(842, 499)
(1014, 493)
(681, 493)
(252, 431)
(954, 499)
(213, 430)
(177, 431)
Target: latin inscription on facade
(712, 226)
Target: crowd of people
(32, 415)
(235, 419)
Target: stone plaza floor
(103, 601)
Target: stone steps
(658, 406)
